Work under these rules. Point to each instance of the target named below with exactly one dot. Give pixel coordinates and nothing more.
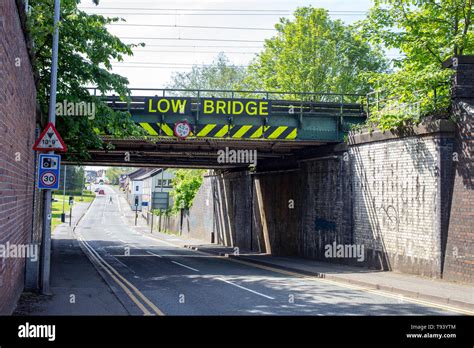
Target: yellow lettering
(160, 109)
(150, 106)
(220, 107)
(208, 107)
(263, 110)
(251, 108)
(234, 108)
(179, 105)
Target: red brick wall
(459, 257)
(17, 134)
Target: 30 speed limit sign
(48, 179)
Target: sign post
(63, 215)
(136, 210)
(46, 250)
(71, 203)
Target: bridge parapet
(247, 115)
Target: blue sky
(152, 66)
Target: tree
(186, 184)
(313, 53)
(74, 179)
(86, 51)
(426, 33)
(114, 173)
(220, 75)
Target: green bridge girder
(321, 117)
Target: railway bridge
(186, 128)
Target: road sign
(50, 140)
(160, 200)
(48, 171)
(182, 129)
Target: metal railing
(378, 102)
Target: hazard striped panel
(161, 129)
(280, 132)
(226, 131)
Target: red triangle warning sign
(50, 140)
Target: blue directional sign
(48, 171)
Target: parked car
(101, 192)
(97, 190)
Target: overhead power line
(211, 9)
(173, 64)
(185, 39)
(152, 67)
(190, 26)
(204, 46)
(191, 51)
(208, 12)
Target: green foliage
(113, 174)
(220, 74)
(426, 33)
(186, 184)
(159, 212)
(313, 53)
(86, 50)
(74, 178)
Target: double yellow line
(132, 292)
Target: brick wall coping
(431, 128)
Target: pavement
(77, 288)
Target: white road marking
(180, 264)
(149, 252)
(244, 288)
(162, 241)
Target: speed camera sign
(48, 171)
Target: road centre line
(149, 252)
(180, 264)
(244, 288)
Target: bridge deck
(298, 117)
(294, 128)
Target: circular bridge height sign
(182, 129)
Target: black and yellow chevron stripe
(226, 131)
(161, 129)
